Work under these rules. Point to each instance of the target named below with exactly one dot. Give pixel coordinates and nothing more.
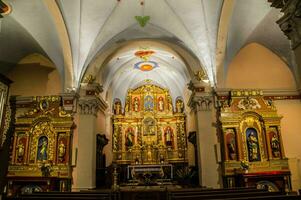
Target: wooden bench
(69, 195)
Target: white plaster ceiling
(93, 25)
(101, 21)
(120, 73)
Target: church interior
(150, 99)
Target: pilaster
(90, 104)
(201, 102)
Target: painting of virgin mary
(42, 148)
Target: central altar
(149, 172)
(149, 128)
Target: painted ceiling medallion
(144, 54)
(146, 66)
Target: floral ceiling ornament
(144, 54)
(142, 19)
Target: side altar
(253, 152)
(40, 157)
(148, 129)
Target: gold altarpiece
(41, 149)
(253, 153)
(149, 130)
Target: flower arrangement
(244, 165)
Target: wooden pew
(271, 197)
(87, 195)
(191, 193)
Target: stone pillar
(290, 24)
(202, 104)
(89, 104)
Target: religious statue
(42, 148)
(253, 147)
(129, 138)
(161, 159)
(170, 104)
(136, 104)
(20, 151)
(61, 151)
(275, 145)
(117, 108)
(231, 148)
(179, 106)
(168, 136)
(137, 160)
(160, 104)
(149, 153)
(126, 107)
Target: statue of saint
(253, 147)
(117, 108)
(275, 145)
(160, 104)
(61, 150)
(20, 151)
(129, 138)
(136, 104)
(231, 149)
(42, 149)
(179, 106)
(149, 153)
(168, 136)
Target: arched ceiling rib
(193, 22)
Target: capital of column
(89, 106)
(90, 102)
(290, 22)
(201, 102)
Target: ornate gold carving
(42, 138)
(89, 79)
(149, 115)
(201, 76)
(245, 112)
(6, 125)
(248, 103)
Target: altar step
(162, 193)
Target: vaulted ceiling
(75, 33)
